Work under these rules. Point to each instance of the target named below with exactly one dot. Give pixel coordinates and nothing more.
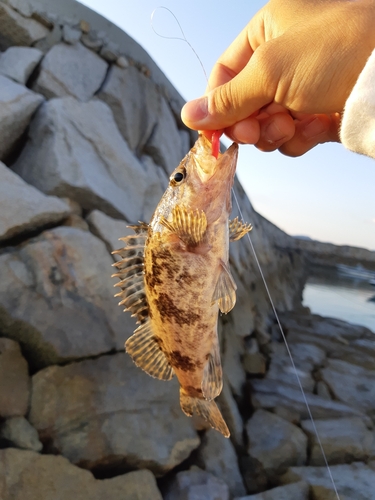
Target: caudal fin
(206, 409)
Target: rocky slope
(90, 131)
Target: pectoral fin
(189, 225)
(225, 290)
(144, 348)
(212, 382)
(238, 229)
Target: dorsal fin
(212, 382)
(225, 290)
(144, 348)
(130, 273)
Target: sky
(327, 194)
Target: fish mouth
(207, 166)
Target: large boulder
(23, 208)
(17, 105)
(75, 150)
(196, 484)
(18, 63)
(70, 70)
(25, 475)
(106, 413)
(56, 298)
(17, 30)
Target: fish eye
(179, 176)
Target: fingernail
(272, 133)
(313, 129)
(195, 111)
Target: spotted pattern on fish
(171, 312)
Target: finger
(250, 90)
(246, 131)
(314, 130)
(275, 130)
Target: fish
(175, 279)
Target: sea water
(336, 294)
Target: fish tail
(206, 409)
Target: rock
(91, 41)
(253, 473)
(71, 35)
(295, 491)
(18, 63)
(21, 434)
(23, 208)
(76, 221)
(351, 384)
(110, 52)
(353, 482)
(322, 390)
(56, 298)
(106, 412)
(17, 30)
(196, 484)
(232, 352)
(109, 230)
(165, 145)
(54, 37)
(269, 394)
(75, 150)
(17, 105)
(26, 475)
(276, 443)
(254, 363)
(15, 381)
(122, 62)
(157, 183)
(217, 456)
(231, 414)
(70, 70)
(344, 440)
(135, 103)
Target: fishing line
(184, 39)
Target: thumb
(231, 102)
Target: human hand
(282, 84)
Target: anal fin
(189, 225)
(238, 229)
(225, 290)
(212, 382)
(206, 409)
(144, 348)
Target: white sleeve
(358, 122)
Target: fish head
(203, 182)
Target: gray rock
(232, 352)
(109, 230)
(351, 384)
(217, 456)
(269, 394)
(70, 70)
(231, 414)
(156, 184)
(27, 475)
(17, 30)
(353, 482)
(322, 390)
(17, 105)
(295, 491)
(254, 363)
(110, 52)
(135, 103)
(165, 145)
(54, 37)
(107, 412)
(15, 381)
(196, 484)
(344, 440)
(71, 35)
(21, 434)
(22, 6)
(18, 63)
(23, 208)
(56, 298)
(75, 150)
(91, 41)
(122, 62)
(276, 443)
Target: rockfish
(175, 278)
